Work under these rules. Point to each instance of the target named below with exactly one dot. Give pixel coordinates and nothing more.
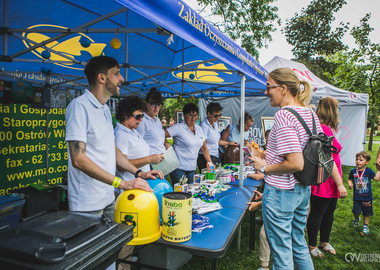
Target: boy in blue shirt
(360, 180)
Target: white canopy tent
(353, 109)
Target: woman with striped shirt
(285, 202)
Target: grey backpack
(318, 161)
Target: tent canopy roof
(164, 44)
(320, 87)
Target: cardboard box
(198, 178)
(210, 184)
(180, 188)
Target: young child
(360, 180)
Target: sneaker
(365, 230)
(355, 223)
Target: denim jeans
(176, 175)
(284, 215)
(107, 211)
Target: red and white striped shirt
(287, 136)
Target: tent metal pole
(5, 24)
(183, 60)
(126, 46)
(242, 110)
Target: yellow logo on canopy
(199, 75)
(71, 47)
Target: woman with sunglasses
(285, 202)
(211, 131)
(151, 127)
(130, 142)
(188, 139)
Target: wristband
(116, 182)
(137, 173)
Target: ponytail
(303, 97)
(286, 76)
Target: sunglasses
(138, 116)
(217, 115)
(272, 86)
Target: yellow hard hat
(139, 208)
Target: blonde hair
(247, 117)
(286, 76)
(328, 112)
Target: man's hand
(137, 183)
(152, 175)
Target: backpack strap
(300, 119)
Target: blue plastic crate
(10, 211)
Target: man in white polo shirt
(93, 156)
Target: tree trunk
(371, 137)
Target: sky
(352, 12)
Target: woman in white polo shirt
(151, 128)
(130, 142)
(211, 131)
(188, 139)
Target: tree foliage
(312, 35)
(358, 70)
(173, 105)
(249, 21)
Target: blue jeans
(284, 215)
(176, 175)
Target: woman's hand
(258, 195)
(156, 158)
(342, 191)
(253, 206)
(257, 162)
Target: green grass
(344, 237)
(375, 138)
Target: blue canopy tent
(163, 44)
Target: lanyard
(360, 176)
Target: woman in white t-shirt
(130, 142)
(188, 139)
(285, 202)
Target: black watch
(137, 173)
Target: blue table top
(214, 242)
(247, 182)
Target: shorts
(362, 206)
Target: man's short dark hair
(99, 64)
(189, 108)
(214, 107)
(127, 106)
